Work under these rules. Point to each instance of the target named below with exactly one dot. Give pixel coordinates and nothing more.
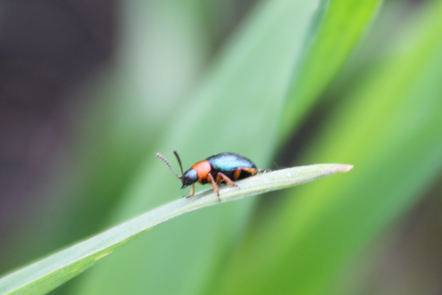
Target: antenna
(168, 164)
(179, 161)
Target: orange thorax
(202, 169)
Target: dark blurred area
(47, 49)
(408, 260)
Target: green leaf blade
(45, 275)
(344, 24)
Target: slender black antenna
(179, 161)
(168, 164)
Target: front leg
(192, 192)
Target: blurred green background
(90, 91)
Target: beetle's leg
(192, 192)
(237, 172)
(226, 179)
(215, 187)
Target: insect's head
(187, 178)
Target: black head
(188, 178)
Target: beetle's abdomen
(228, 163)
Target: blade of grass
(390, 128)
(48, 273)
(345, 23)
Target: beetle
(224, 167)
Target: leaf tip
(345, 168)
